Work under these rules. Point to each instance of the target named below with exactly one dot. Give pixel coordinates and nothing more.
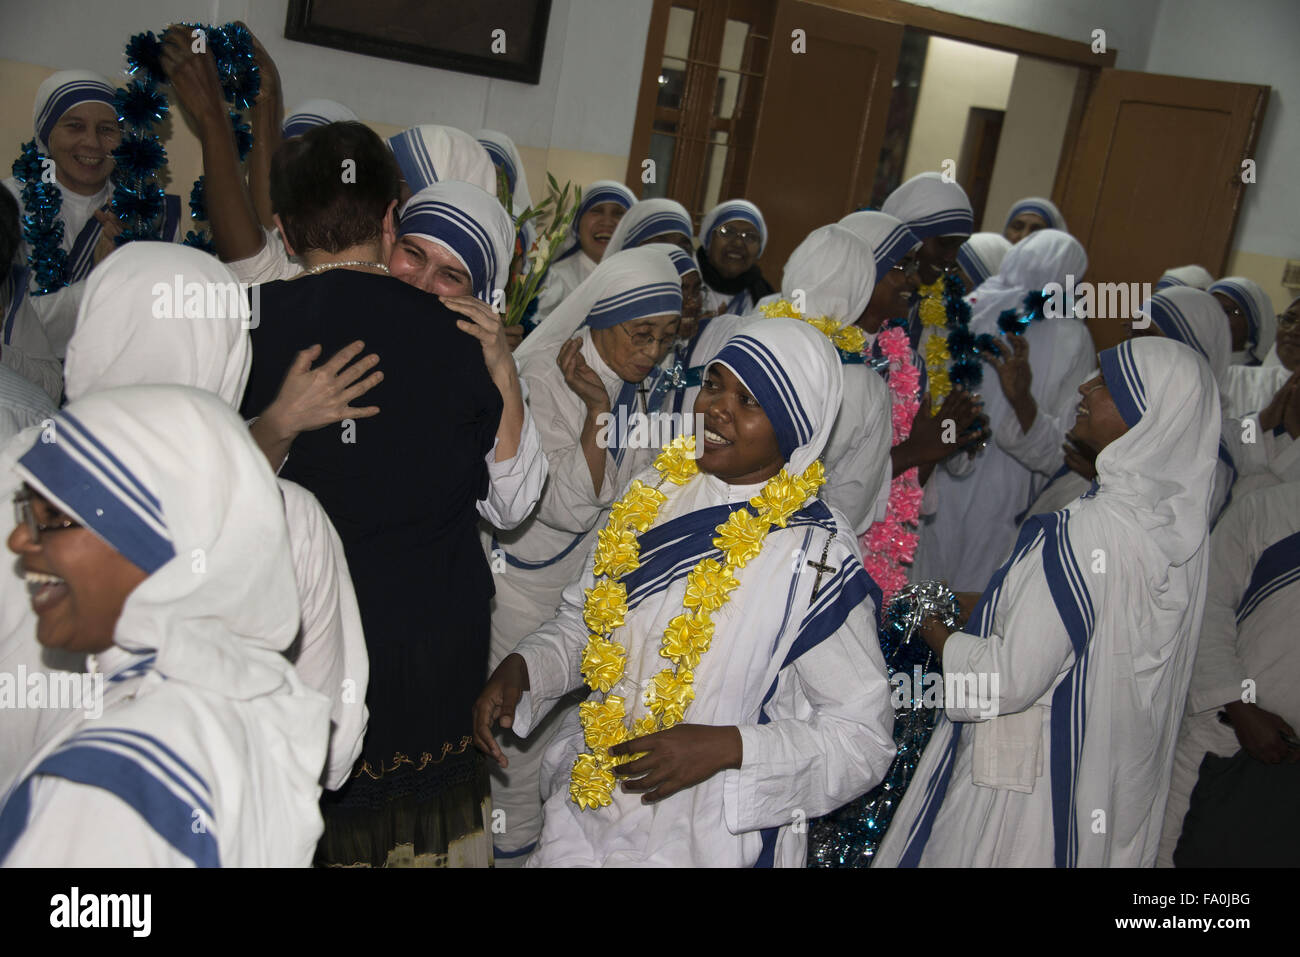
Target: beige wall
(18, 83)
(1038, 109)
(956, 77)
(1265, 270)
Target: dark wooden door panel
(1154, 179)
(822, 121)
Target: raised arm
(193, 76)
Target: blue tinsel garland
(232, 48)
(1015, 322)
(850, 836)
(42, 224)
(138, 198)
(965, 369)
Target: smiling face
(937, 255)
(1237, 322)
(1022, 225)
(1097, 421)
(429, 266)
(740, 445)
(596, 226)
(633, 349)
(77, 582)
(733, 247)
(81, 144)
(892, 297)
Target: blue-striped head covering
(1163, 467)
(169, 477)
(1193, 318)
(733, 209)
(312, 113)
(61, 92)
(931, 207)
(626, 286)
(429, 154)
(981, 256)
(683, 260)
(468, 222)
(794, 372)
(1039, 206)
(601, 191)
(505, 156)
(617, 306)
(1198, 277)
(604, 191)
(889, 238)
(90, 482)
(647, 219)
(1254, 302)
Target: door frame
(935, 22)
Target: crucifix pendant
(822, 569)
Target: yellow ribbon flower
(676, 461)
(686, 638)
(824, 324)
(851, 339)
(670, 695)
(741, 537)
(644, 725)
(931, 310)
(780, 498)
(602, 722)
(591, 785)
(605, 607)
(638, 507)
(813, 478)
(617, 551)
(708, 585)
(602, 663)
(781, 309)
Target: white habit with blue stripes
(1248, 633)
(802, 678)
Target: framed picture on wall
(498, 38)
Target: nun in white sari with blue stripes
(539, 558)
(1089, 630)
(60, 93)
(794, 662)
(835, 271)
(1193, 318)
(1247, 644)
(209, 748)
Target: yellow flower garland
(934, 321)
(845, 338)
(687, 637)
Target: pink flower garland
(891, 543)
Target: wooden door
(1154, 176)
(821, 123)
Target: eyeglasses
(749, 237)
(1288, 321)
(643, 340)
(25, 514)
(908, 267)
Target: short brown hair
(323, 202)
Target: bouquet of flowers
(528, 270)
